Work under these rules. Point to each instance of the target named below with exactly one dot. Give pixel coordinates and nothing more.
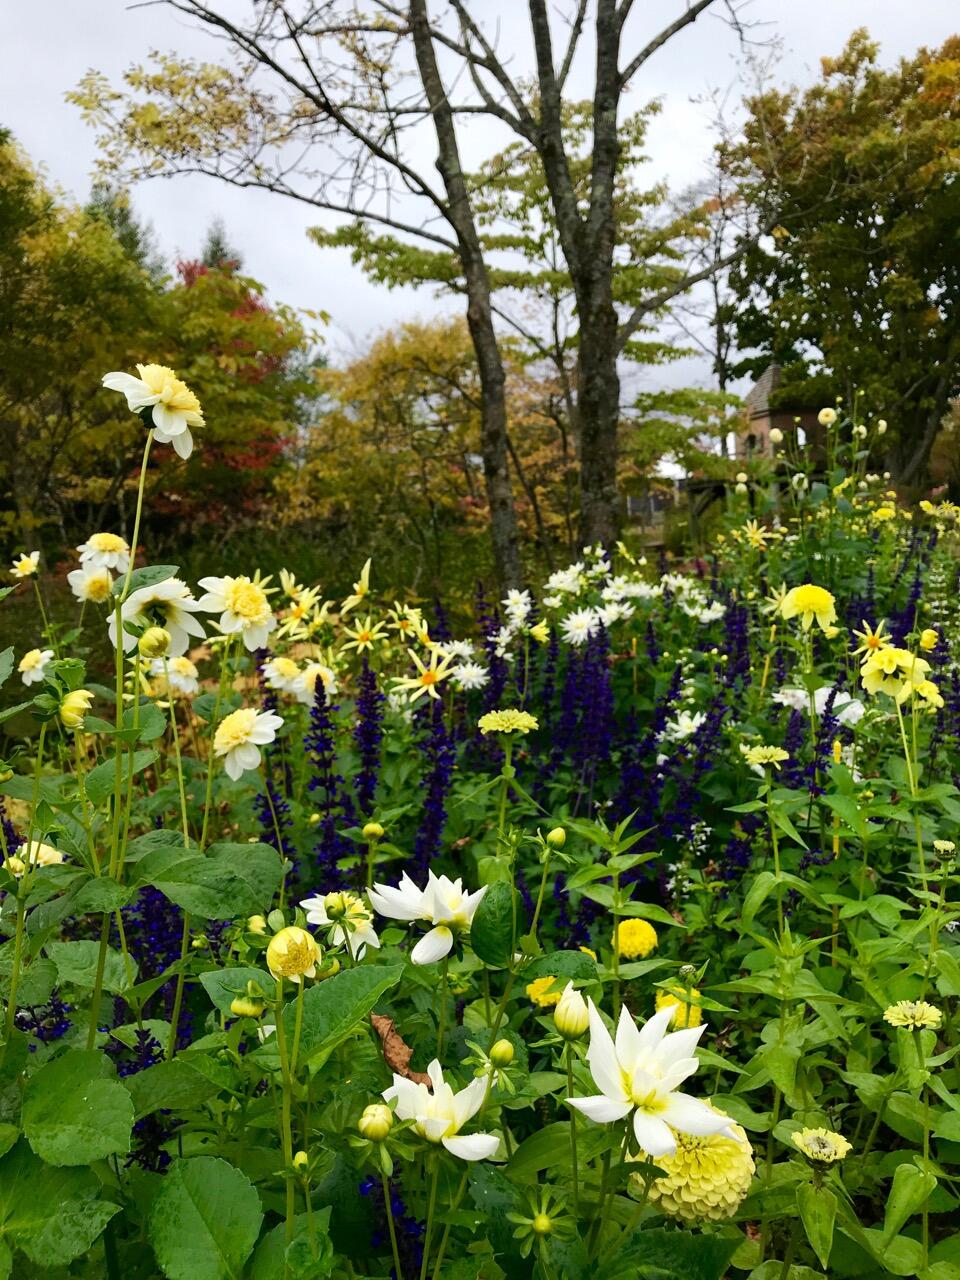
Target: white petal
(183, 444)
(679, 1044)
(433, 946)
(603, 1110)
(655, 1028)
(628, 1042)
(469, 1101)
(690, 1115)
(474, 1146)
(655, 1137)
(602, 1059)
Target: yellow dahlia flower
(706, 1177)
(293, 953)
(634, 939)
(174, 409)
(74, 707)
(809, 602)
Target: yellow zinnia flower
(914, 1014)
(823, 1146)
(634, 939)
(507, 721)
(706, 1177)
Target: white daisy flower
(91, 583)
(33, 665)
(175, 409)
(243, 607)
(239, 737)
(168, 604)
(105, 551)
(470, 675)
(438, 1114)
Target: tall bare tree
(332, 104)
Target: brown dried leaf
(396, 1052)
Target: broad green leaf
(308, 1257)
(230, 880)
(77, 963)
(496, 924)
(818, 1213)
(204, 1221)
(6, 664)
(331, 1009)
(668, 1255)
(53, 1215)
(148, 576)
(175, 1085)
(545, 1149)
(910, 1190)
(75, 1112)
(102, 778)
(223, 985)
(562, 964)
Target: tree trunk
(493, 408)
(598, 404)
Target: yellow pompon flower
(823, 1146)
(686, 1012)
(916, 1015)
(871, 638)
(809, 602)
(706, 1177)
(882, 514)
(544, 992)
(508, 721)
(634, 939)
(764, 757)
(929, 639)
(827, 417)
(293, 953)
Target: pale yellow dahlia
(706, 1177)
(809, 602)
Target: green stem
(390, 1224)
(136, 522)
(445, 1238)
(33, 839)
(442, 1011)
(573, 1136)
(431, 1206)
(286, 1129)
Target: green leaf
(53, 1215)
(222, 985)
(9, 712)
(332, 1008)
(151, 721)
(231, 880)
(668, 1255)
(495, 925)
(148, 576)
(909, 1191)
(6, 664)
(100, 894)
(77, 963)
(545, 1149)
(204, 1221)
(101, 779)
(762, 886)
(302, 1262)
(175, 1086)
(75, 1112)
(818, 1213)
(562, 964)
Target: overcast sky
(48, 45)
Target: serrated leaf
(333, 1008)
(496, 924)
(205, 1220)
(75, 1112)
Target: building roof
(757, 398)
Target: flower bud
(827, 417)
(929, 639)
(571, 1017)
(881, 427)
(501, 1055)
(246, 1007)
(373, 831)
(542, 1224)
(293, 953)
(301, 1160)
(329, 970)
(557, 837)
(335, 904)
(74, 707)
(776, 435)
(376, 1122)
(154, 642)
(314, 819)
(741, 477)
(257, 924)
(837, 751)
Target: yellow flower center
(234, 730)
(107, 542)
(99, 587)
(428, 678)
(246, 599)
(163, 382)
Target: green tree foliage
(859, 288)
(81, 293)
